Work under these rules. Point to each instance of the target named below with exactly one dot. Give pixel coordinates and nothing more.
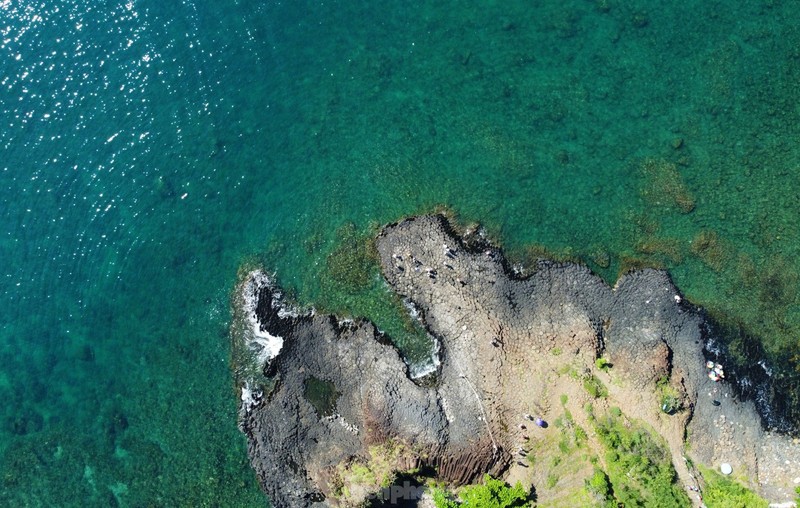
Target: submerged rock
(337, 395)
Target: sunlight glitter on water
(66, 74)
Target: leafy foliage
(723, 492)
(639, 469)
(599, 487)
(492, 494)
(370, 474)
(669, 398)
(603, 364)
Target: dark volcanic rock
(338, 393)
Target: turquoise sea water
(149, 149)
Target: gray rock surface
(503, 341)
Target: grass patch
(570, 371)
(580, 436)
(563, 445)
(595, 387)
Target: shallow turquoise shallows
(149, 149)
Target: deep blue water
(150, 148)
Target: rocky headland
(331, 414)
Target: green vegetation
(723, 492)
(599, 487)
(638, 468)
(580, 436)
(594, 387)
(570, 371)
(492, 494)
(576, 437)
(353, 481)
(669, 399)
(603, 364)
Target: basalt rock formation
(319, 394)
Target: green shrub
(580, 436)
(599, 486)
(595, 387)
(669, 398)
(602, 364)
(492, 494)
(362, 474)
(443, 500)
(670, 405)
(639, 468)
(723, 492)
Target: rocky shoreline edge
(330, 411)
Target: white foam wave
(429, 366)
(265, 345)
(250, 397)
(412, 309)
